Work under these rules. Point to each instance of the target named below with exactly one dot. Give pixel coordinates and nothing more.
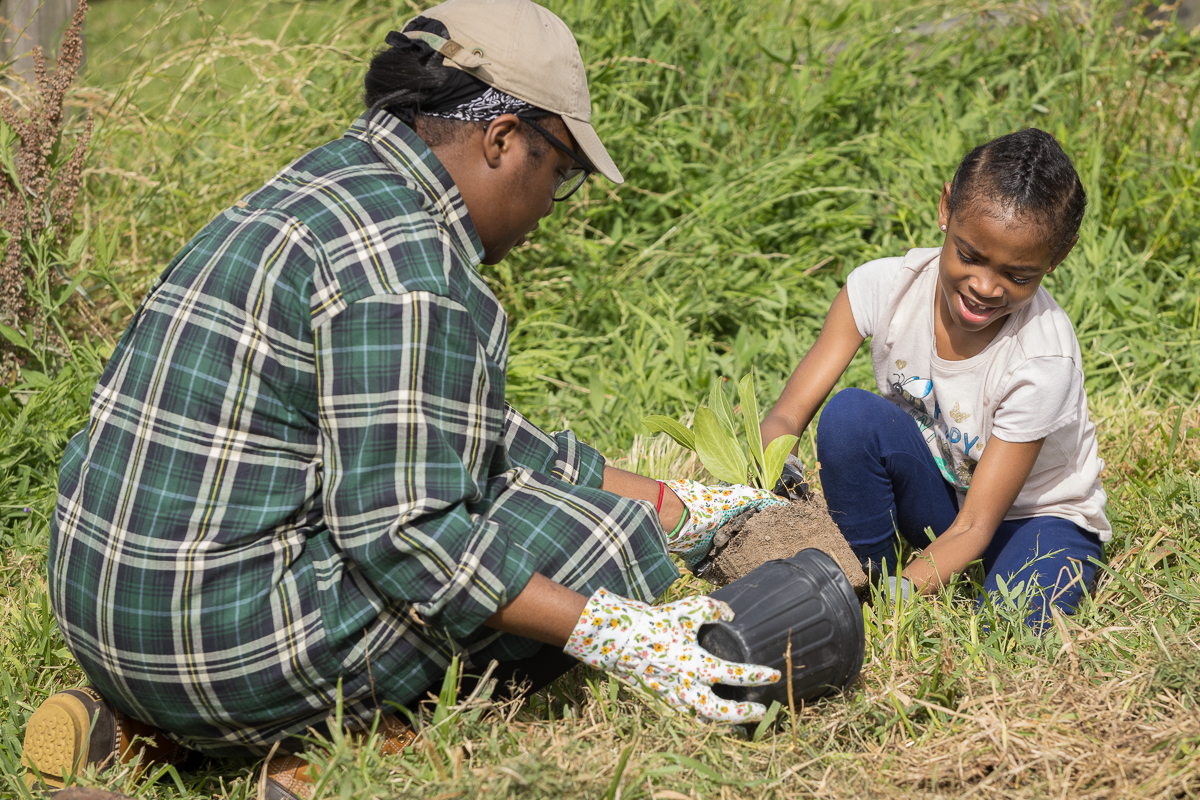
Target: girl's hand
(654, 648)
(897, 589)
(708, 508)
(791, 484)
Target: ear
(1062, 256)
(500, 139)
(944, 206)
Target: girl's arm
(998, 479)
(816, 374)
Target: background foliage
(769, 147)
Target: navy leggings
(879, 478)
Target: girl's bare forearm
(816, 374)
(949, 554)
(998, 479)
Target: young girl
(980, 389)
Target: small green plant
(714, 438)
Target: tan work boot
(61, 739)
(290, 777)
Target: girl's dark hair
(1028, 175)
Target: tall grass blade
(750, 419)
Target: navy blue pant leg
(1051, 553)
(879, 478)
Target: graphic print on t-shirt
(915, 391)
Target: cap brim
(589, 144)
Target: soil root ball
(780, 532)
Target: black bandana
(484, 108)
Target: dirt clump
(778, 532)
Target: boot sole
(56, 741)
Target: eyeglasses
(568, 183)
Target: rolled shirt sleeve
(410, 416)
(558, 455)
(869, 289)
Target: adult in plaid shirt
(300, 476)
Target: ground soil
(781, 532)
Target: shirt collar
(399, 147)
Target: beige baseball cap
(520, 48)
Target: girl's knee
(843, 420)
(848, 406)
(855, 421)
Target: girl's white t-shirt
(1026, 384)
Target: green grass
(769, 148)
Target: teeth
(978, 309)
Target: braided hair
(1025, 174)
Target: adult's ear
(944, 206)
(500, 139)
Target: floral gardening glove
(654, 647)
(710, 507)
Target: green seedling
(714, 438)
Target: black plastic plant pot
(807, 596)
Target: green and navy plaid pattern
(300, 470)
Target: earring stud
(943, 227)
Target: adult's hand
(708, 508)
(654, 648)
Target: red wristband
(662, 488)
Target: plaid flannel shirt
(299, 469)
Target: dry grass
(1044, 731)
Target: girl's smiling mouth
(973, 312)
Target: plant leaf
(75, 251)
(36, 379)
(676, 430)
(776, 456)
(718, 450)
(16, 338)
(719, 404)
(750, 421)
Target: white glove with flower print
(654, 647)
(710, 507)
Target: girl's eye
(965, 259)
(1019, 281)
